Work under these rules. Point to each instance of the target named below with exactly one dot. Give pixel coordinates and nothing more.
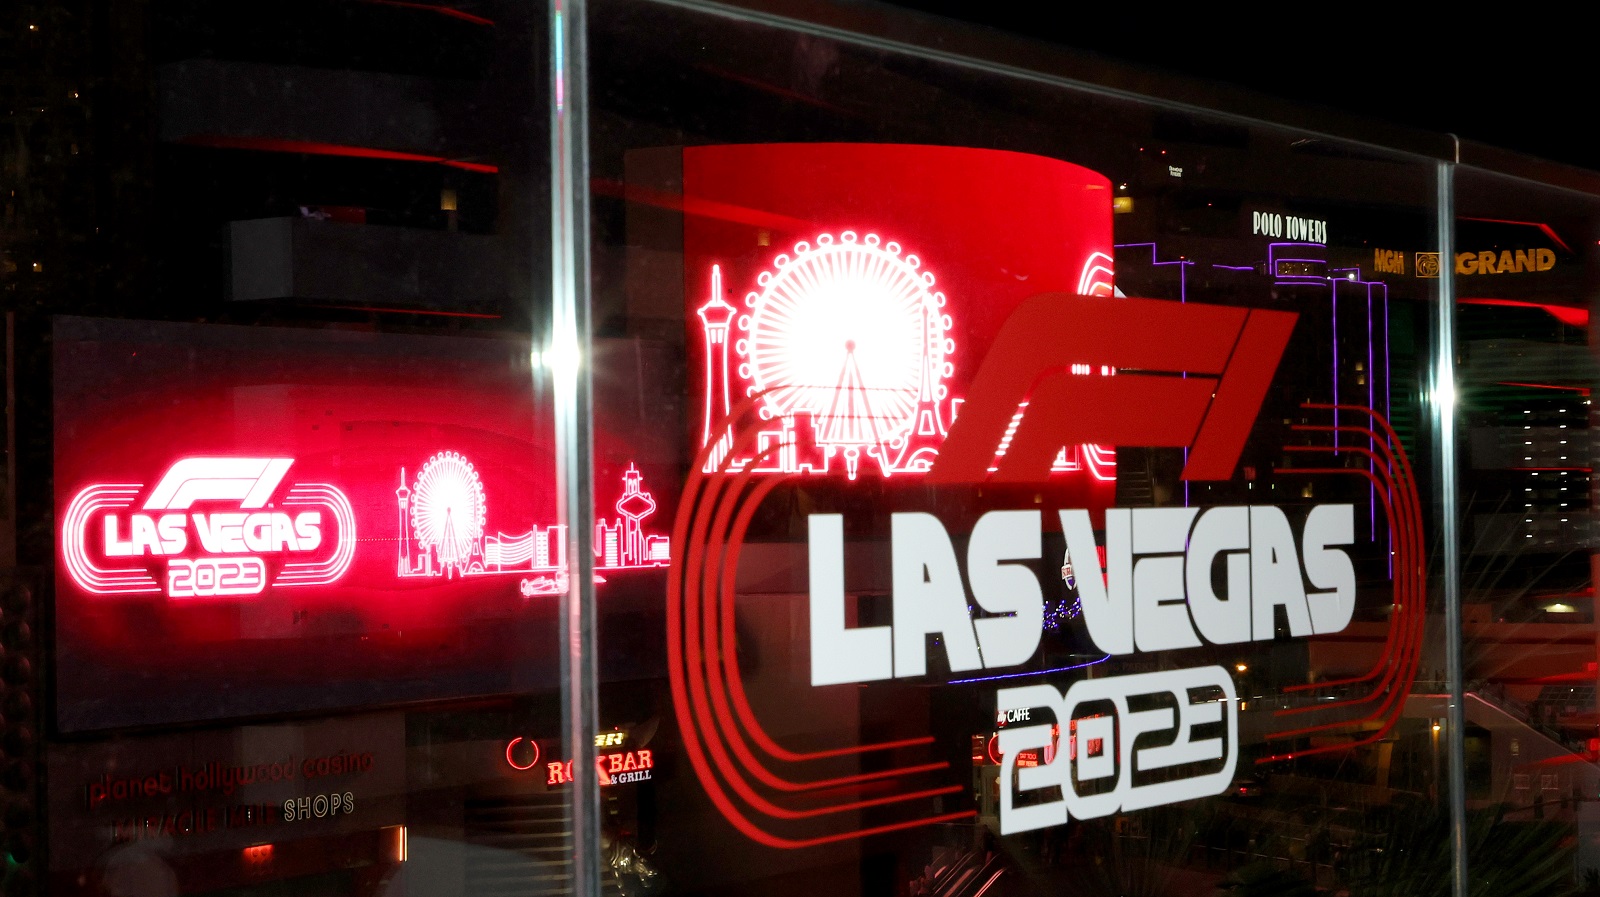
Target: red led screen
(254, 520)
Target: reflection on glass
(1526, 372)
(1051, 514)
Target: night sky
(1524, 79)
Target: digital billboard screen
(255, 520)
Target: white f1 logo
(248, 481)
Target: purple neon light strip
(1272, 246)
(1294, 279)
(1152, 253)
(1305, 280)
(1183, 298)
(1372, 492)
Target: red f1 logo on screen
(209, 527)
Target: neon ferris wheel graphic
(846, 341)
(447, 510)
(849, 346)
(851, 332)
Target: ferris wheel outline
(448, 512)
(850, 334)
(840, 421)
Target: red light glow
(441, 10)
(847, 346)
(222, 548)
(303, 597)
(315, 148)
(1566, 314)
(992, 229)
(1098, 278)
(511, 753)
(850, 338)
(1544, 228)
(614, 769)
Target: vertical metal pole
(567, 358)
(1444, 425)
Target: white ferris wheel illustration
(447, 511)
(851, 333)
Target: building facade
(651, 448)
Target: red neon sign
(620, 768)
(214, 527)
(511, 754)
(209, 527)
(287, 588)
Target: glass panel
(1045, 477)
(282, 610)
(1525, 278)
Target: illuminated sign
(522, 754)
(1289, 227)
(987, 750)
(1387, 261)
(1506, 261)
(622, 768)
(209, 527)
(1158, 597)
(318, 806)
(229, 527)
(254, 521)
(1151, 590)
(1226, 357)
(846, 338)
(1005, 367)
